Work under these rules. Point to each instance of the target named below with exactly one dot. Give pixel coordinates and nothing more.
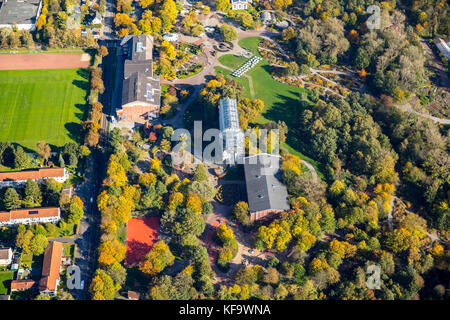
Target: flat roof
(19, 11)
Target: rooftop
(23, 284)
(32, 174)
(7, 216)
(19, 11)
(263, 182)
(51, 266)
(139, 84)
(5, 253)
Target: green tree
(38, 244)
(21, 159)
(11, 200)
(200, 173)
(32, 194)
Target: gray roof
(21, 12)
(263, 182)
(141, 87)
(139, 83)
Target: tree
(102, 51)
(32, 193)
(110, 252)
(38, 244)
(223, 5)
(203, 189)
(21, 159)
(64, 295)
(194, 203)
(11, 200)
(43, 296)
(225, 234)
(76, 210)
(23, 239)
(102, 286)
(200, 173)
(43, 150)
(147, 180)
(117, 272)
(229, 33)
(157, 259)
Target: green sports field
(42, 105)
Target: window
(149, 94)
(139, 47)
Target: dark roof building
(22, 12)
(266, 194)
(141, 90)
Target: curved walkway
(408, 108)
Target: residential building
(51, 268)
(232, 135)
(29, 216)
(22, 13)
(240, 4)
(444, 47)
(141, 90)
(22, 285)
(17, 178)
(267, 195)
(5, 256)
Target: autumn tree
(110, 252)
(43, 150)
(157, 259)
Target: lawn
(280, 100)
(42, 105)
(5, 280)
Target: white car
(82, 284)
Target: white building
(232, 135)
(5, 256)
(23, 13)
(30, 216)
(17, 178)
(240, 4)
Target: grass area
(280, 100)
(5, 280)
(243, 80)
(122, 234)
(232, 61)
(69, 250)
(47, 105)
(69, 229)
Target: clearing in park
(42, 105)
(142, 233)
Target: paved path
(408, 108)
(315, 178)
